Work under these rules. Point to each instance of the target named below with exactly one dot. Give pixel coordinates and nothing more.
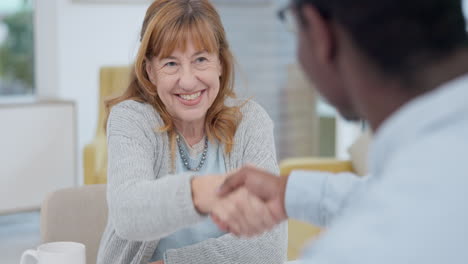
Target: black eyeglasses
(286, 16)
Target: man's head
(342, 43)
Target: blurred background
(58, 59)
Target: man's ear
(319, 32)
(149, 71)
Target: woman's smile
(191, 99)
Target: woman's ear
(149, 71)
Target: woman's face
(187, 82)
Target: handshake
(246, 202)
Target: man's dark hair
(399, 36)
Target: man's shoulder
(436, 159)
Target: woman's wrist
(196, 196)
(204, 192)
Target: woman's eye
(201, 59)
(171, 64)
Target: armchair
(112, 81)
(299, 233)
(75, 214)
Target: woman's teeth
(190, 96)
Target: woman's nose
(188, 80)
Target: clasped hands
(246, 202)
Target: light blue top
(413, 207)
(205, 229)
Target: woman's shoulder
(250, 109)
(131, 113)
(132, 107)
(254, 116)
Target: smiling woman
(185, 26)
(188, 83)
(181, 98)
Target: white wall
(38, 153)
(72, 42)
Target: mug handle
(29, 252)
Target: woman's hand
(204, 192)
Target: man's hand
(242, 214)
(204, 192)
(157, 262)
(266, 186)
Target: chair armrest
(75, 214)
(299, 233)
(95, 161)
(314, 163)
(89, 161)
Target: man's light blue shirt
(413, 207)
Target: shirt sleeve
(413, 212)
(316, 197)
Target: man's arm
(314, 197)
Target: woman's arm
(142, 207)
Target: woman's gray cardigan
(147, 203)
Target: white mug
(56, 253)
